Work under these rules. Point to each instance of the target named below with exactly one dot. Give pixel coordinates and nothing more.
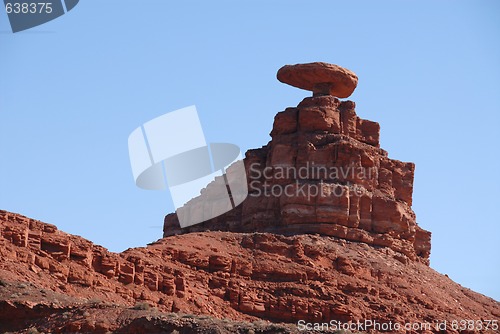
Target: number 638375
(29, 8)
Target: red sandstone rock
(239, 276)
(339, 245)
(320, 78)
(364, 196)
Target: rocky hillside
(325, 241)
(53, 280)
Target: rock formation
(320, 78)
(326, 234)
(324, 172)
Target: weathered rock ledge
(324, 172)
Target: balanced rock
(320, 78)
(340, 242)
(324, 173)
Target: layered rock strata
(67, 284)
(324, 172)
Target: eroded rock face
(72, 285)
(324, 172)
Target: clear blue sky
(72, 90)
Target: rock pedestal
(324, 172)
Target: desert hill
(325, 240)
